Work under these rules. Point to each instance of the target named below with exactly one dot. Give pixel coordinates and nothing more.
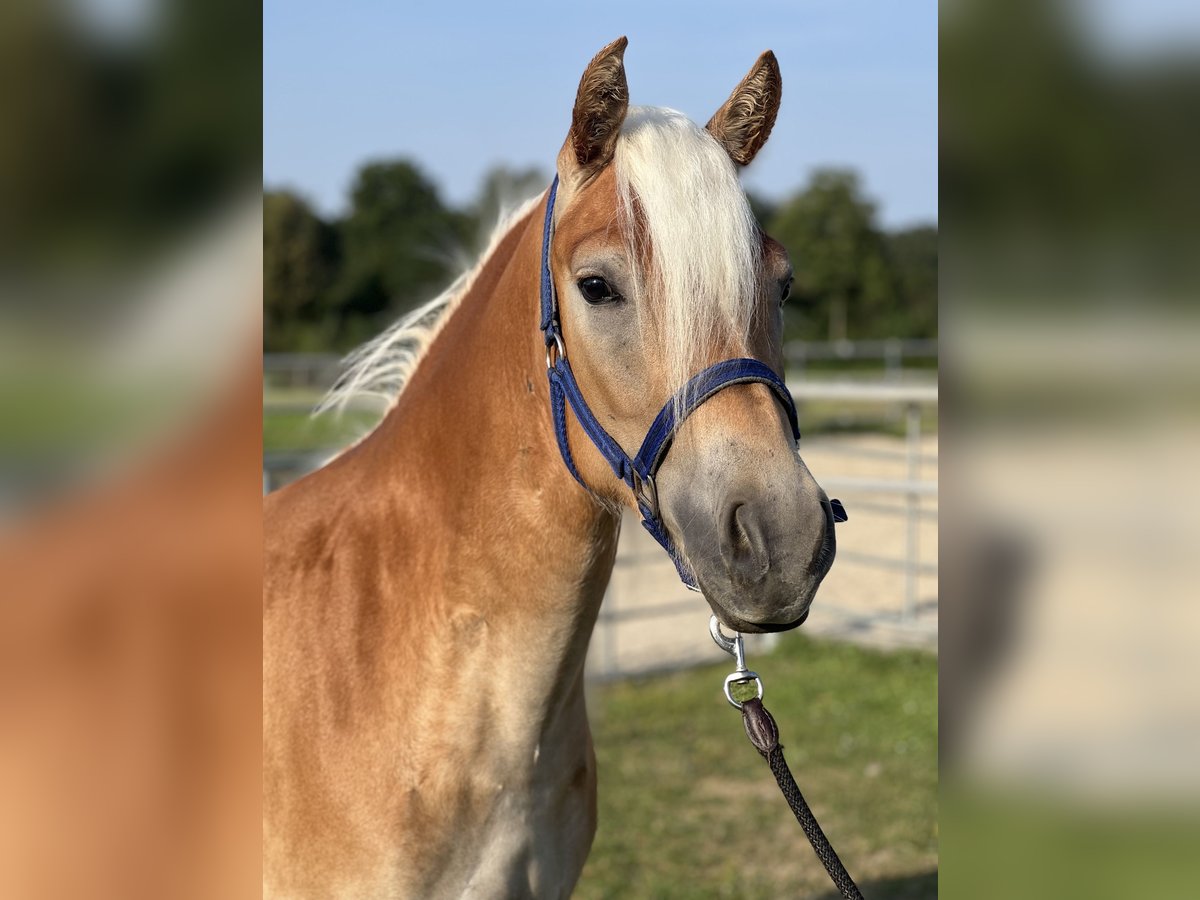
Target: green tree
(914, 252)
(764, 208)
(300, 260)
(502, 189)
(846, 287)
(399, 245)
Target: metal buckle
(646, 492)
(555, 351)
(734, 647)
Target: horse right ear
(600, 107)
(744, 123)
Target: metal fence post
(893, 359)
(610, 631)
(912, 551)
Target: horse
(430, 593)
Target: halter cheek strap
(639, 471)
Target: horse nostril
(735, 529)
(743, 547)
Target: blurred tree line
(114, 147)
(1068, 169)
(329, 285)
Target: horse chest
(517, 840)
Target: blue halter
(639, 471)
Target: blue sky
(462, 86)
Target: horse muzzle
(759, 561)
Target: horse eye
(787, 291)
(596, 290)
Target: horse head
(660, 271)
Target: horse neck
(498, 530)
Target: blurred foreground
(1070, 696)
(130, 544)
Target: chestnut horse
(429, 595)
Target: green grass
(689, 809)
(288, 423)
(1066, 847)
(63, 414)
(297, 430)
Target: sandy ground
(663, 625)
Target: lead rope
(764, 735)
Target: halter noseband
(639, 471)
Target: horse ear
(744, 123)
(600, 107)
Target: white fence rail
(892, 352)
(912, 398)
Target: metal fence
(316, 371)
(910, 490)
(893, 353)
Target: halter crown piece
(639, 471)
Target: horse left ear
(744, 123)
(600, 107)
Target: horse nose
(744, 544)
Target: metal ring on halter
(742, 677)
(555, 351)
(645, 491)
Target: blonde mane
(696, 218)
(701, 231)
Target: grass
(688, 809)
(297, 430)
(288, 423)
(1095, 848)
(63, 414)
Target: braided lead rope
(764, 735)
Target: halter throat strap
(638, 471)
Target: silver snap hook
(735, 647)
